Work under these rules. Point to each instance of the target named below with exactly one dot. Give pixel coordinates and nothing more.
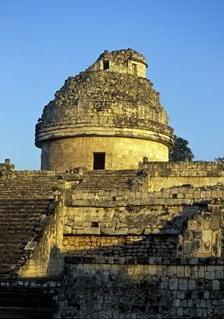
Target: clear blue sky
(45, 41)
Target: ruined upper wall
(178, 169)
(121, 61)
(165, 175)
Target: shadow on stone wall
(166, 243)
(143, 279)
(56, 261)
(116, 290)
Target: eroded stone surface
(114, 110)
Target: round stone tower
(107, 117)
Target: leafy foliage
(181, 150)
(219, 159)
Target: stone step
(22, 237)
(16, 202)
(19, 223)
(26, 185)
(26, 303)
(31, 218)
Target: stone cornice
(64, 131)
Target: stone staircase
(26, 199)
(26, 303)
(23, 184)
(19, 223)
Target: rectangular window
(134, 68)
(94, 224)
(98, 161)
(106, 65)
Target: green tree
(180, 150)
(219, 159)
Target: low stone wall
(131, 220)
(184, 168)
(121, 246)
(169, 174)
(175, 289)
(184, 194)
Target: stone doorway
(98, 161)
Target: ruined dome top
(111, 97)
(124, 55)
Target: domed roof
(107, 101)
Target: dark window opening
(98, 161)
(134, 67)
(106, 64)
(94, 224)
(174, 196)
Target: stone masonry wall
(133, 195)
(117, 150)
(165, 175)
(139, 254)
(203, 234)
(180, 221)
(121, 246)
(181, 289)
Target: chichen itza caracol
(109, 227)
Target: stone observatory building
(109, 228)
(107, 117)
